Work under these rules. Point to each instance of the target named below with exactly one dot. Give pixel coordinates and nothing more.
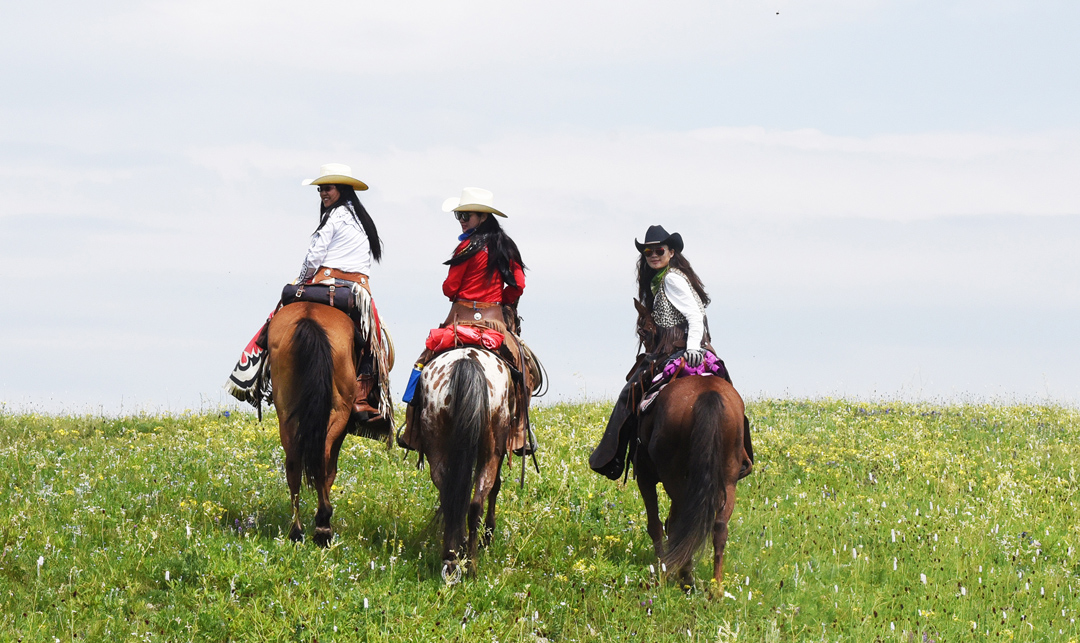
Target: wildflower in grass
(922, 577)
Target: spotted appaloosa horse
(466, 411)
(312, 369)
(691, 440)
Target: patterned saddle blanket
(675, 368)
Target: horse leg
(720, 531)
(489, 522)
(485, 483)
(452, 535)
(293, 473)
(684, 576)
(647, 480)
(335, 435)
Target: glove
(694, 357)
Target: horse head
(647, 332)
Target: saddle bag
(340, 297)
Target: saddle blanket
(247, 382)
(676, 368)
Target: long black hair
(678, 262)
(501, 249)
(347, 195)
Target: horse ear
(640, 307)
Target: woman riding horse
(323, 348)
(485, 282)
(675, 298)
(341, 249)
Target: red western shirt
(470, 280)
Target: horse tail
(696, 516)
(469, 416)
(313, 367)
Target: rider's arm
(511, 294)
(320, 242)
(452, 286)
(681, 296)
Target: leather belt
(476, 304)
(324, 273)
(464, 310)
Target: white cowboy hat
(336, 173)
(472, 200)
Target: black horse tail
(704, 486)
(313, 365)
(468, 416)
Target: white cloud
(722, 172)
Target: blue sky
(880, 196)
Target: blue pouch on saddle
(410, 389)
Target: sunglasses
(327, 188)
(465, 215)
(659, 251)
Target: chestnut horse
(466, 411)
(691, 439)
(312, 370)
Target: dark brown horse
(466, 410)
(691, 440)
(312, 369)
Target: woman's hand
(694, 357)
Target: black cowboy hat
(657, 235)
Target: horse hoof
(296, 534)
(323, 536)
(451, 573)
(686, 582)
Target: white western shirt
(681, 295)
(341, 243)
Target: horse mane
(647, 332)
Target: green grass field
(860, 523)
